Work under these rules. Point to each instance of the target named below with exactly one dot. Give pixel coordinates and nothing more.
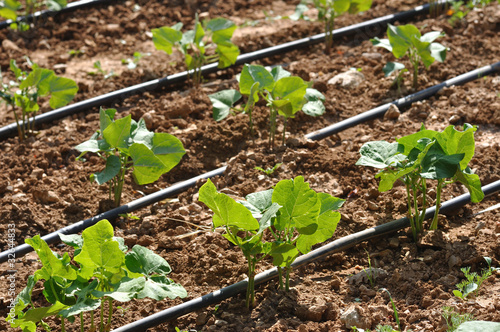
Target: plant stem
(434, 223)
(19, 129)
(110, 310)
(81, 322)
(329, 34)
(92, 326)
(280, 277)
(63, 329)
(409, 214)
(101, 323)
(287, 281)
(414, 61)
(250, 296)
(423, 188)
(284, 129)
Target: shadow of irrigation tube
(44, 14)
(361, 31)
(176, 188)
(320, 253)
(53, 237)
(403, 102)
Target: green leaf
(228, 53)
(164, 38)
(283, 254)
(62, 91)
(52, 265)
(147, 166)
(300, 205)
(160, 287)
(99, 249)
(126, 290)
(106, 117)
(429, 37)
(141, 134)
(168, 149)
(382, 43)
(253, 98)
(327, 223)
(92, 145)
(222, 102)
(278, 73)
(255, 73)
(113, 166)
(391, 67)
(15, 69)
(9, 8)
(144, 261)
(37, 314)
(341, 6)
(117, 133)
(56, 5)
(407, 143)
(299, 12)
(472, 183)
(259, 202)
(227, 212)
(454, 141)
(379, 154)
(291, 89)
(359, 6)
(400, 38)
(479, 326)
(438, 51)
(72, 240)
(222, 29)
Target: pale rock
(480, 225)
(350, 79)
(393, 242)
(454, 119)
(454, 261)
(332, 311)
(495, 81)
(202, 318)
(352, 317)
(37, 173)
(9, 45)
(367, 291)
(315, 313)
(372, 56)
(45, 196)
(392, 113)
(372, 206)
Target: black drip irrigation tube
(44, 14)
(403, 102)
(317, 254)
(361, 31)
(53, 237)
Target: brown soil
(43, 188)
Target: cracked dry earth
(43, 188)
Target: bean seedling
(206, 43)
(328, 10)
(268, 171)
(425, 155)
(9, 9)
(126, 144)
(25, 92)
(284, 94)
(102, 270)
(472, 280)
(407, 40)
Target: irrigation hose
(361, 31)
(44, 14)
(403, 102)
(52, 238)
(320, 253)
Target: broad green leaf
(391, 67)
(472, 183)
(106, 117)
(221, 28)
(253, 98)
(161, 287)
(147, 166)
(479, 326)
(15, 69)
(99, 249)
(454, 141)
(278, 73)
(283, 254)
(222, 102)
(168, 149)
(440, 166)
(400, 38)
(126, 290)
(379, 154)
(37, 314)
(141, 134)
(56, 5)
(407, 143)
(314, 108)
(73, 240)
(431, 36)
(62, 91)
(314, 95)
(284, 108)
(142, 260)
(327, 223)
(52, 265)
(24, 297)
(164, 38)
(266, 221)
(26, 104)
(117, 133)
(199, 33)
(438, 51)
(227, 212)
(8, 9)
(92, 145)
(300, 205)
(341, 6)
(228, 53)
(359, 6)
(255, 73)
(292, 89)
(382, 43)
(259, 201)
(113, 166)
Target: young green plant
(241, 228)
(9, 9)
(328, 11)
(102, 270)
(425, 155)
(407, 40)
(472, 280)
(23, 95)
(284, 94)
(126, 144)
(206, 43)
